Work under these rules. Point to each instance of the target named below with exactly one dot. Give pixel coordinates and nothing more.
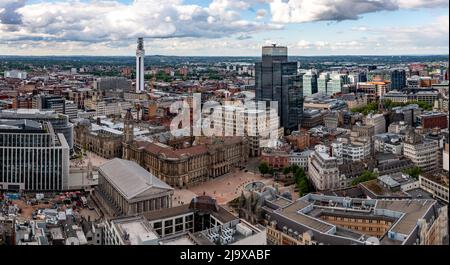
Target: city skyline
(224, 123)
(222, 27)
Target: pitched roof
(130, 179)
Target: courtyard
(225, 188)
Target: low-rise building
(431, 120)
(300, 159)
(104, 142)
(388, 143)
(328, 220)
(300, 139)
(390, 186)
(127, 189)
(422, 152)
(436, 184)
(351, 150)
(276, 158)
(311, 118)
(378, 121)
(202, 213)
(130, 231)
(236, 232)
(323, 170)
(373, 90)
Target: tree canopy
(365, 176)
(264, 168)
(413, 172)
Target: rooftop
(135, 230)
(403, 214)
(131, 180)
(410, 210)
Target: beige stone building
(106, 144)
(180, 166)
(129, 189)
(186, 166)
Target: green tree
(295, 168)
(286, 170)
(413, 172)
(303, 186)
(366, 109)
(422, 104)
(365, 176)
(302, 182)
(263, 168)
(300, 174)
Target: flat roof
(379, 190)
(292, 212)
(136, 229)
(183, 240)
(413, 210)
(168, 213)
(281, 202)
(403, 213)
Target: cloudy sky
(223, 27)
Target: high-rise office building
(322, 83)
(309, 84)
(32, 157)
(55, 103)
(335, 84)
(140, 54)
(277, 80)
(112, 86)
(60, 123)
(398, 79)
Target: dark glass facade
(398, 79)
(276, 79)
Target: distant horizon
(232, 56)
(210, 28)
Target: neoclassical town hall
(203, 159)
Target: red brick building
(276, 159)
(433, 120)
(300, 140)
(22, 102)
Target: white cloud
(422, 3)
(430, 38)
(8, 14)
(299, 11)
(261, 13)
(174, 27)
(100, 21)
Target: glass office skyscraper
(277, 80)
(398, 79)
(309, 84)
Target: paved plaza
(227, 187)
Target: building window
(178, 228)
(168, 230)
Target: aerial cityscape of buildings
(88, 156)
